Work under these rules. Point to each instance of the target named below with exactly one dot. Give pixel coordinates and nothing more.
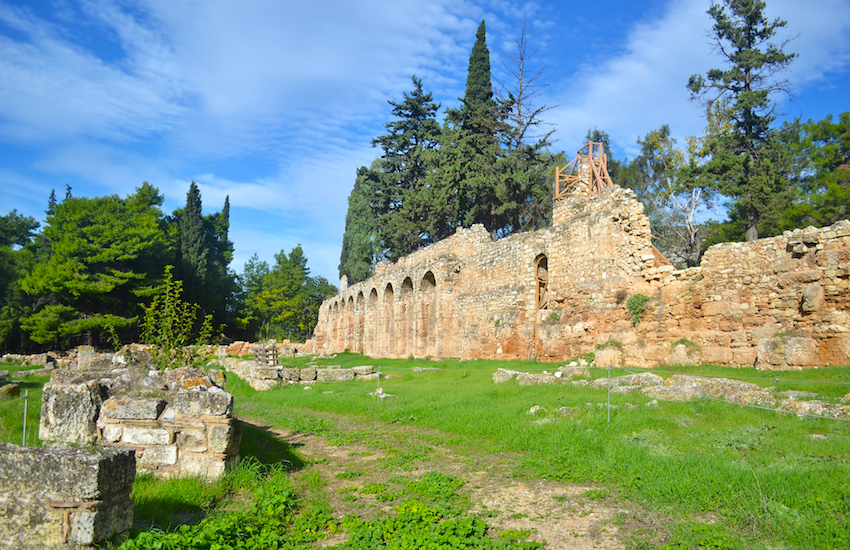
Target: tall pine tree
(744, 160)
(361, 238)
(404, 219)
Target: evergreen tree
(470, 148)
(360, 240)
(821, 152)
(194, 250)
(51, 203)
(744, 159)
(105, 254)
(403, 219)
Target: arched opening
(405, 323)
(360, 323)
(541, 286)
(388, 347)
(373, 318)
(428, 315)
(349, 324)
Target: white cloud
(644, 87)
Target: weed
(554, 317)
(636, 305)
(596, 494)
(690, 346)
(348, 474)
(609, 343)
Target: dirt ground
(564, 515)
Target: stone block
(266, 373)
(290, 374)
(10, 391)
(192, 440)
(801, 352)
(224, 438)
(795, 278)
(609, 356)
(504, 375)
(202, 465)
(199, 403)
(218, 378)
(334, 375)
(308, 373)
(263, 385)
(374, 377)
(69, 412)
(111, 433)
(92, 488)
(132, 408)
(155, 456)
(363, 369)
(146, 435)
(813, 299)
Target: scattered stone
(684, 387)
(796, 394)
(420, 369)
(380, 394)
(391, 376)
(816, 408)
(8, 391)
(535, 409)
(652, 404)
(504, 375)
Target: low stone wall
(179, 422)
(63, 497)
(264, 377)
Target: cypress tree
(359, 242)
(194, 254)
(470, 148)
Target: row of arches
(387, 321)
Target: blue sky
(275, 103)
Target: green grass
(12, 414)
(773, 475)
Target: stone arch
(405, 323)
(428, 314)
(388, 321)
(541, 282)
(373, 323)
(349, 324)
(359, 323)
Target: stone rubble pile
(684, 387)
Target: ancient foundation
(555, 294)
(178, 422)
(63, 497)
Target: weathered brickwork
(64, 497)
(776, 303)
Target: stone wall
(179, 422)
(780, 302)
(265, 377)
(63, 497)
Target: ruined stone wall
(181, 424)
(64, 497)
(780, 302)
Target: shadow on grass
(261, 443)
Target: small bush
(637, 306)
(609, 343)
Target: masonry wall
(182, 423)
(780, 302)
(64, 497)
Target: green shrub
(637, 306)
(609, 343)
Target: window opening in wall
(541, 274)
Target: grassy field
(722, 476)
(774, 479)
(12, 414)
